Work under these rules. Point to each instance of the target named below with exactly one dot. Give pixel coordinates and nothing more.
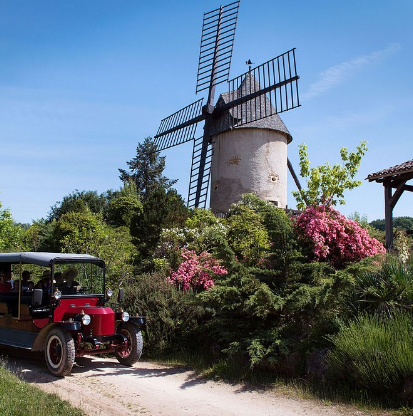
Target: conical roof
(252, 114)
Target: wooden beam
(295, 177)
(392, 177)
(396, 196)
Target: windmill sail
(200, 173)
(217, 41)
(268, 89)
(179, 127)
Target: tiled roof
(253, 108)
(406, 167)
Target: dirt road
(103, 387)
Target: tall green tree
(124, 205)
(40, 236)
(326, 184)
(161, 209)
(86, 232)
(11, 235)
(146, 170)
(81, 201)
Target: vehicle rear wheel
(133, 352)
(59, 352)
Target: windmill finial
(249, 63)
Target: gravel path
(101, 386)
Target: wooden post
(388, 214)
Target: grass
(18, 398)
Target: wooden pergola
(396, 178)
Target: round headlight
(125, 317)
(86, 319)
(110, 292)
(57, 294)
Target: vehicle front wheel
(59, 352)
(132, 353)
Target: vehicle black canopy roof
(47, 259)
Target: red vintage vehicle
(66, 314)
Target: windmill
(261, 92)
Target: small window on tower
(275, 203)
(273, 177)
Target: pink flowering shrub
(334, 237)
(196, 272)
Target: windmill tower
(244, 139)
(250, 157)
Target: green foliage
(80, 201)
(85, 232)
(11, 235)
(247, 235)
(283, 241)
(326, 184)
(202, 232)
(398, 222)
(385, 290)
(171, 315)
(201, 218)
(161, 209)
(246, 319)
(79, 232)
(39, 236)
(145, 170)
(374, 353)
(124, 206)
(361, 219)
(119, 254)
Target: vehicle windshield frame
(98, 263)
(49, 260)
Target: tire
(135, 344)
(59, 352)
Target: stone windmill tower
(251, 157)
(244, 143)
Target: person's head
(69, 275)
(16, 284)
(3, 276)
(46, 276)
(26, 275)
(58, 278)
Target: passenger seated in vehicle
(58, 278)
(44, 283)
(5, 285)
(27, 285)
(16, 284)
(69, 286)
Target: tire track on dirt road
(101, 386)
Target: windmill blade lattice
(200, 173)
(268, 89)
(217, 41)
(179, 127)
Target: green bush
(387, 289)
(170, 314)
(374, 353)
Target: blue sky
(82, 82)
